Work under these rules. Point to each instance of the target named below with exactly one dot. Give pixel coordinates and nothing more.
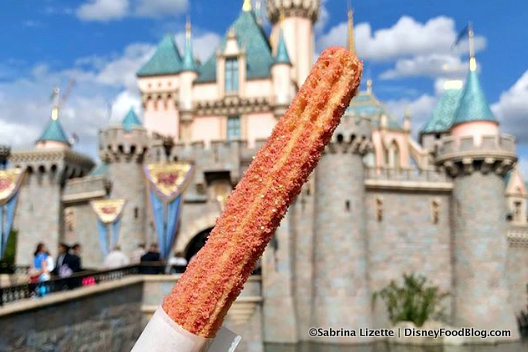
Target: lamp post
(167, 143)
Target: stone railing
(518, 236)
(85, 188)
(415, 175)
(489, 145)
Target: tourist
(116, 259)
(176, 264)
(137, 253)
(153, 258)
(76, 264)
(63, 265)
(39, 270)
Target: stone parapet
(492, 153)
(293, 8)
(115, 143)
(85, 189)
(518, 236)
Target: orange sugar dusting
(213, 280)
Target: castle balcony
(407, 179)
(85, 189)
(486, 153)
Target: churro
(214, 278)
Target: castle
(451, 206)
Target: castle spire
(246, 7)
(56, 103)
(472, 60)
(350, 40)
(188, 63)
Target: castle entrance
(196, 243)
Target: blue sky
(100, 43)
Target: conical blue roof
(166, 59)
(188, 63)
(473, 104)
(253, 39)
(54, 132)
(444, 112)
(130, 120)
(282, 56)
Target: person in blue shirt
(40, 263)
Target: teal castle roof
(473, 104)
(130, 120)
(54, 132)
(188, 63)
(252, 38)
(444, 112)
(282, 56)
(166, 59)
(365, 104)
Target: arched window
(393, 156)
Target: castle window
(435, 211)
(517, 211)
(231, 75)
(233, 127)
(379, 209)
(136, 212)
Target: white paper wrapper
(162, 334)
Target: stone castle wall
(109, 320)
(39, 216)
(403, 238)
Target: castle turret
(158, 82)
(187, 75)
(122, 148)
(48, 167)
(299, 18)
(477, 157)
(341, 293)
(280, 73)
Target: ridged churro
(215, 277)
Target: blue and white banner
(166, 185)
(10, 181)
(108, 213)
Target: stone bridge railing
(108, 313)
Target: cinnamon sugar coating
(215, 277)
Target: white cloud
(203, 44)
(107, 10)
(420, 109)
(434, 65)
(160, 8)
(406, 38)
(512, 109)
(103, 10)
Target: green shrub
(412, 301)
(10, 252)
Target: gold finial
(188, 27)
(369, 85)
(472, 60)
(246, 7)
(350, 43)
(56, 102)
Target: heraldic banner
(108, 216)
(166, 183)
(10, 181)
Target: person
(176, 264)
(135, 258)
(153, 255)
(39, 270)
(116, 259)
(76, 264)
(63, 265)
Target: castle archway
(196, 243)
